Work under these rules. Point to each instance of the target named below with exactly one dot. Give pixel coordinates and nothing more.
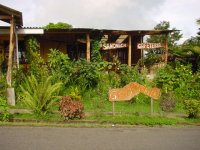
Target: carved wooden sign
(107, 46)
(149, 45)
(132, 89)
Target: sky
(111, 14)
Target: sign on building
(107, 46)
(149, 45)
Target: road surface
(138, 138)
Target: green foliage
(170, 78)
(114, 79)
(198, 22)
(35, 61)
(60, 66)
(39, 95)
(4, 108)
(141, 99)
(3, 85)
(192, 108)
(180, 80)
(156, 55)
(172, 39)
(189, 52)
(75, 94)
(84, 74)
(18, 76)
(58, 25)
(96, 56)
(130, 74)
(167, 102)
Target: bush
(130, 74)
(3, 85)
(36, 62)
(167, 102)
(71, 109)
(40, 96)
(192, 108)
(5, 109)
(60, 66)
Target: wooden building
(76, 42)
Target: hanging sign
(107, 46)
(149, 45)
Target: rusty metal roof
(6, 13)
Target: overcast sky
(110, 14)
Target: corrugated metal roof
(100, 31)
(110, 31)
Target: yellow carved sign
(132, 89)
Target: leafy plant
(3, 85)
(35, 61)
(71, 109)
(60, 66)
(167, 102)
(75, 94)
(96, 55)
(39, 95)
(130, 74)
(85, 74)
(4, 108)
(192, 108)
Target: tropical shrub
(74, 93)
(96, 55)
(3, 85)
(167, 102)
(60, 66)
(130, 74)
(84, 74)
(192, 108)
(180, 79)
(71, 109)
(39, 95)
(35, 61)
(4, 108)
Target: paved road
(140, 138)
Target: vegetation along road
(139, 138)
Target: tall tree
(198, 22)
(173, 38)
(156, 55)
(189, 51)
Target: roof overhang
(22, 31)
(6, 14)
(108, 32)
(120, 33)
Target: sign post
(113, 108)
(129, 91)
(151, 106)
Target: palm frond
(39, 96)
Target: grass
(128, 113)
(104, 120)
(121, 107)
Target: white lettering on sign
(107, 46)
(149, 45)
